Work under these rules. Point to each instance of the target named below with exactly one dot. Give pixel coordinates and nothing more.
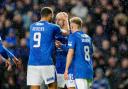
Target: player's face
(73, 27)
(60, 19)
(60, 22)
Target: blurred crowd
(106, 21)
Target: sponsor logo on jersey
(70, 44)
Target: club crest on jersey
(70, 44)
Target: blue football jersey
(1, 46)
(42, 38)
(61, 54)
(83, 50)
(4, 51)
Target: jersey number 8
(37, 38)
(87, 53)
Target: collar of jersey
(42, 21)
(77, 31)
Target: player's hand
(58, 44)
(66, 75)
(0, 59)
(17, 62)
(8, 65)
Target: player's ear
(50, 17)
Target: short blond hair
(77, 21)
(61, 15)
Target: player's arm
(6, 50)
(8, 64)
(2, 59)
(15, 60)
(6, 61)
(71, 45)
(62, 46)
(68, 62)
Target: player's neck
(44, 19)
(75, 30)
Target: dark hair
(45, 11)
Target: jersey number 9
(37, 38)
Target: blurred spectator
(23, 52)
(116, 5)
(120, 19)
(27, 19)
(105, 48)
(99, 36)
(103, 3)
(99, 81)
(80, 10)
(97, 11)
(114, 40)
(113, 52)
(123, 75)
(111, 72)
(27, 38)
(7, 26)
(11, 38)
(90, 24)
(106, 23)
(123, 34)
(85, 29)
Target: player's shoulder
(53, 25)
(72, 36)
(88, 37)
(32, 24)
(36, 23)
(85, 35)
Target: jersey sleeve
(0, 39)
(71, 42)
(8, 52)
(57, 30)
(64, 47)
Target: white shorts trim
(61, 82)
(36, 75)
(82, 84)
(70, 82)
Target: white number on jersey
(70, 76)
(37, 38)
(87, 51)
